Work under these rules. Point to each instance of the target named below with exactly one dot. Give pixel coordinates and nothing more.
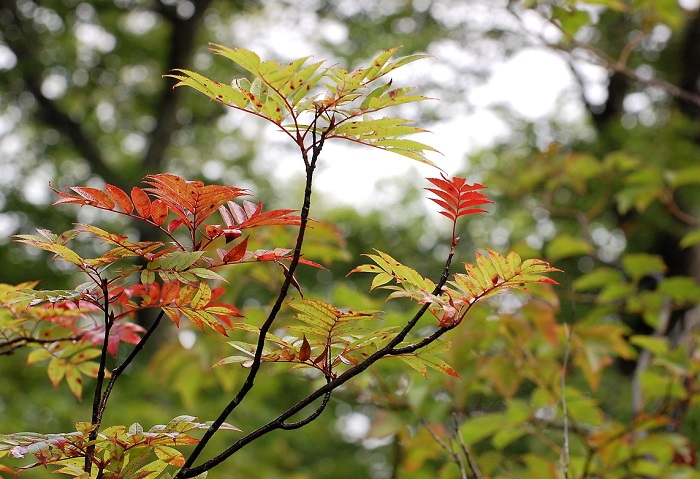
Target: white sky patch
(530, 83)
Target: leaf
(304, 350)
(597, 279)
(141, 201)
(477, 428)
(94, 196)
(690, 239)
(236, 253)
(192, 201)
(376, 132)
(56, 370)
(512, 273)
(638, 265)
(74, 381)
(457, 197)
(159, 212)
(53, 245)
(121, 198)
(566, 246)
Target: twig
(116, 372)
(101, 372)
(465, 450)
(564, 458)
(9, 347)
(448, 449)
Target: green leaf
(690, 239)
(638, 265)
(176, 260)
(655, 344)
(477, 428)
(245, 58)
(60, 250)
(566, 246)
(598, 278)
(684, 290)
(205, 273)
(686, 176)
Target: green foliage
(339, 103)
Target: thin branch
(296, 425)
(109, 321)
(9, 347)
(564, 457)
(450, 452)
(116, 372)
(618, 65)
(467, 453)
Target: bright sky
(531, 83)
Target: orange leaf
(304, 350)
(95, 196)
(170, 291)
(159, 212)
(237, 252)
(120, 197)
(212, 231)
(141, 201)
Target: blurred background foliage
(601, 180)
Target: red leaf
(174, 224)
(237, 252)
(457, 197)
(311, 263)
(121, 198)
(141, 201)
(227, 216)
(191, 200)
(120, 331)
(265, 255)
(159, 212)
(231, 234)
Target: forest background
(601, 181)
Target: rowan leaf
(457, 197)
(192, 201)
(95, 196)
(121, 198)
(53, 244)
(511, 273)
(159, 212)
(141, 201)
(236, 253)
